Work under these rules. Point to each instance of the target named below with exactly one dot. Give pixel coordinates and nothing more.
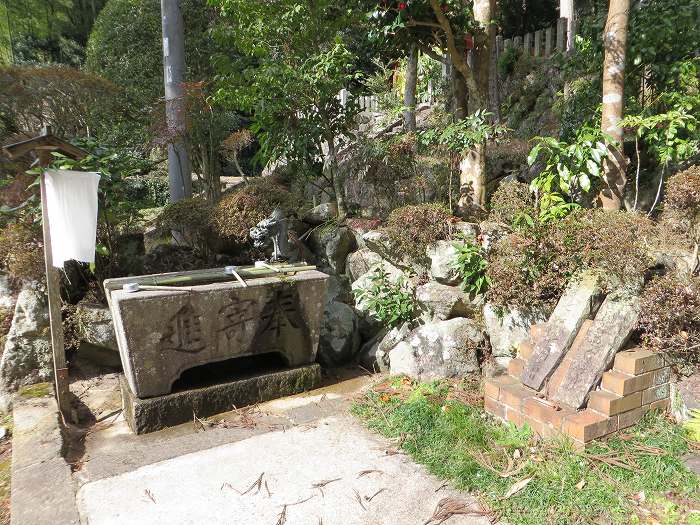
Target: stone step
(525, 350)
(638, 361)
(558, 376)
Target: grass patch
(37, 390)
(632, 477)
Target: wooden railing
(542, 44)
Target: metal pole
(179, 168)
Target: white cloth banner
(71, 201)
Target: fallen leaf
(520, 485)
(581, 484)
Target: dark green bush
(670, 319)
(512, 203)
(191, 218)
(412, 228)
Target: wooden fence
(542, 44)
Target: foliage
(458, 443)
(411, 229)
(670, 319)
(470, 264)
(512, 204)
(507, 61)
(532, 269)
(683, 191)
(191, 218)
(236, 213)
(391, 303)
(21, 251)
(463, 135)
(570, 170)
(72, 102)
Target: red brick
(495, 408)
(545, 412)
(623, 384)
(514, 395)
(588, 425)
(609, 404)
(515, 367)
(656, 393)
(661, 405)
(493, 385)
(541, 429)
(638, 361)
(537, 331)
(633, 416)
(525, 350)
(514, 416)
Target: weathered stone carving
(162, 333)
(273, 229)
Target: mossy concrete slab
(156, 413)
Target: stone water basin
(162, 333)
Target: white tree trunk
(566, 10)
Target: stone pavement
(305, 459)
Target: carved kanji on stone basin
(162, 333)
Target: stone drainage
(585, 386)
(164, 331)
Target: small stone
(509, 328)
(441, 302)
(95, 326)
(442, 255)
(375, 353)
(361, 262)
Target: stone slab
(42, 490)
(201, 488)
(156, 413)
(162, 333)
(577, 304)
(610, 330)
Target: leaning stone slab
(162, 333)
(609, 331)
(577, 304)
(157, 413)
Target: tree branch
(426, 50)
(458, 60)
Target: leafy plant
(471, 265)
(570, 170)
(391, 303)
(461, 136)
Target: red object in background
(469, 41)
(402, 6)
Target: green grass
(631, 476)
(36, 390)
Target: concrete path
(315, 463)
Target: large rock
(438, 350)
(379, 242)
(340, 336)
(361, 262)
(611, 328)
(95, 326)
(27, 357)
(338, 290)
(374, 354)
(441, 302)
(507, 329)
(578, 303)
(442, 255)
(333, 244)
(321, 213)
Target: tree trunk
(409, 96)
(460, 96)
(337, 179)
(615, 43)
(566, 10)
(472, 179)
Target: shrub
(235, 214)
(533, 270)
(21, 253)
(411, 229)
(683, 191)
(512, 204)
(670, 319)
(190, 217)
(471, 267)
(391, 303)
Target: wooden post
(527, 46)
(53, 290)
(548, 41)
(41, 147)
(499, 46)
(561, 34)
(538, 43)
(518, 42)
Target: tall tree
(410, 87)
(615, 45)
(566, 10)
